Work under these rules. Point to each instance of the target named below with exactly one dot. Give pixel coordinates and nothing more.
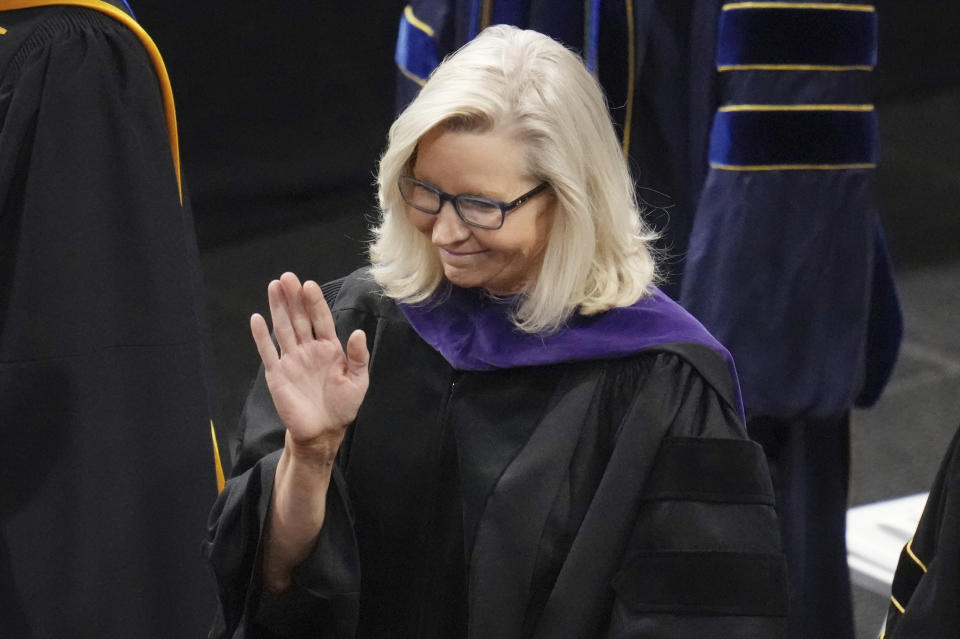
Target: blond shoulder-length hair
(598, 254)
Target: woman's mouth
(455, 254)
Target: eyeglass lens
(474, 210)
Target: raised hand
(317, 390)
(316, 387)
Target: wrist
(319, 453)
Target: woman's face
(504, 261)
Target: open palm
(316, 387)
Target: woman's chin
(459, 278)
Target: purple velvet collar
(473, 332)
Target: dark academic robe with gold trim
(926, 585)
(607, 497)
(106, 467)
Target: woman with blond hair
(501, 428)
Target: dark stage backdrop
(918, 47)
(280, 103)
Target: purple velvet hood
(474, 332)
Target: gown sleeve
(704, 557)
(105, 437)
(324, 597)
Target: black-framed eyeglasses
(474, 210)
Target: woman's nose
(448, 228)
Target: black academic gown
(106, 461)
(925, 599)
(515, 502)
